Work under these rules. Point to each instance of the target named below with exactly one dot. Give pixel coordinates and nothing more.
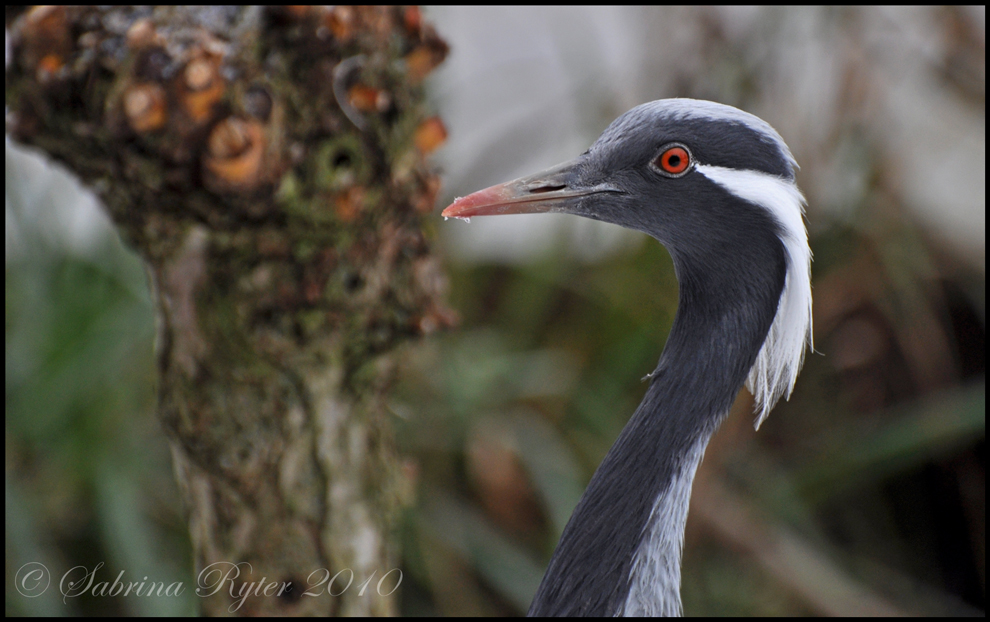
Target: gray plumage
(732, 222)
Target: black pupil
(674, 160)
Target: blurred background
(864, 493)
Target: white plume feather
(779, 361)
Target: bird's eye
(674, 160)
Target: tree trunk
(268, 165)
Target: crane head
(713, 184)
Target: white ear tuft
(777, 365)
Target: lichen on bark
(269, 165)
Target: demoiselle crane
(714, 185)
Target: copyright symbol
(32, 579)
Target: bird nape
(715, 185)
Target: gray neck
(621, 550)
(654, 588)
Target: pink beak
(556, 189)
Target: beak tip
(478, 204)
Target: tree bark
(269, 166)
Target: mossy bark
(269, 166)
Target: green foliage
(88, 471)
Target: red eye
(674, 160)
